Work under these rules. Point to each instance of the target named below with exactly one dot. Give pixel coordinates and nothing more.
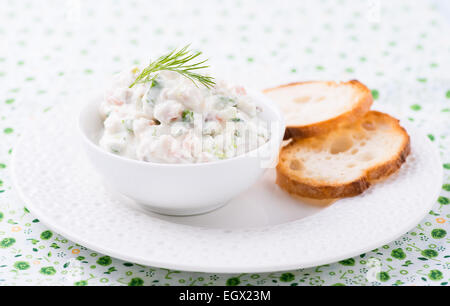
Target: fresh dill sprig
(177, 61)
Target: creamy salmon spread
(173, 120)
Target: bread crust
(313, 189)
(323, 127)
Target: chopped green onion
(187, 116)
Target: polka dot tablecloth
(58, 52)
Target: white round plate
(260, 231)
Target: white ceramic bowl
(182, 189)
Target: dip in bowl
(177, 147)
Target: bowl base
(179, 212)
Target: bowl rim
(269, 103)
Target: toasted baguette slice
(344, 162)
(315, 108)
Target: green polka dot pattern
(56, 54)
